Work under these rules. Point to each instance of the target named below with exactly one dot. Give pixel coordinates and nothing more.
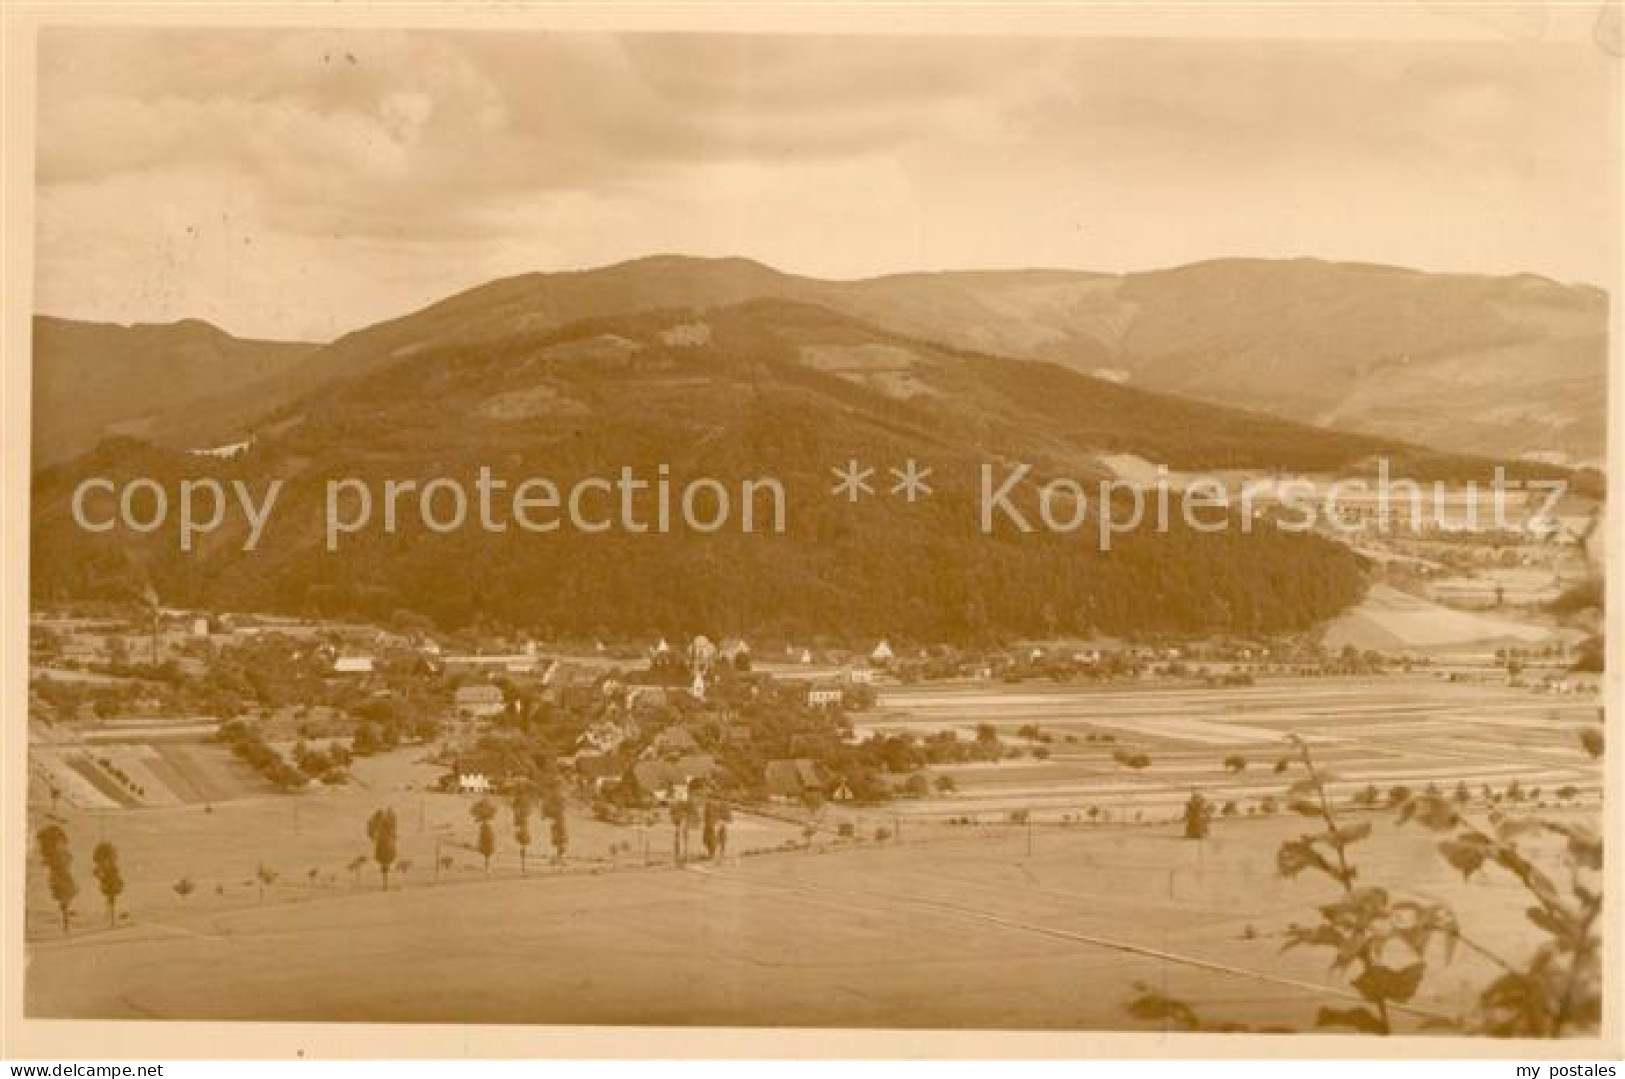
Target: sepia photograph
(915, 522)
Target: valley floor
(1047, 922)
(1049, 931)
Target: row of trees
(57, 855)
(525, 797)
(383, 829)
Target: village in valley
(337, 776)
(904, 530)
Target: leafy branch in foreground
(1382, 942)
(1560, 988)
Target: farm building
(569, 685)
(824, 695)
(667, 782)
(353, 664)
(479, 700)
(793, 781)
(598, 772)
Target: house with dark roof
(793, 781)
(599, 771)
(569, 685)
(668, 782)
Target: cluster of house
(700, 654)
(673, 760)
(668, 767)
(632, 749)
(577, 683)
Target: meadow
(1052, 935)
(1037, 913)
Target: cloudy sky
(300, 184)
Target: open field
(220, 845)
(1054, 938)
(1388, 730)
(1390, 620)
(107, 770)
(1042, 926)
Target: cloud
(368, 171)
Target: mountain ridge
(770, 388)
(95, 379)
(1435, 359)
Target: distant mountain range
(1500, 366)
(730, 370)
(95, 380)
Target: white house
(882, 654)
(474, 783)
(824, 695)
(352, 665)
